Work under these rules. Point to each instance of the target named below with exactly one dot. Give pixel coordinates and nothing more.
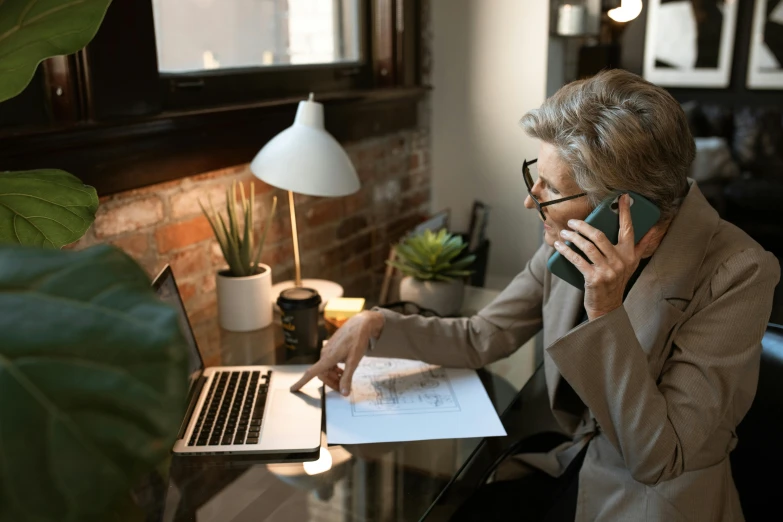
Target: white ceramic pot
(245, 303)
(442, 297)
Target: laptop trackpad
(293, 420)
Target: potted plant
(87, 349)
(433, 270)
(244, 288)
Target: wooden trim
(60, 89)
(119, 156)
(121, 128)
(383, 42)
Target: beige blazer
(660, 383)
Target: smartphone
(606, 218)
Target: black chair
(757, 461)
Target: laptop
(243, 409)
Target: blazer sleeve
(493, 333)
(659, 427)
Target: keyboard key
(252, 440)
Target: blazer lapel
(655, 303)
(564, 309)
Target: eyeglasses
(529, 182)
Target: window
(171, 88)
(196, 35)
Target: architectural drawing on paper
(396, 386)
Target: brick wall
(343, 239)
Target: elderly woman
(651, 367)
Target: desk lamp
(306, 159)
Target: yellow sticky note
(343, 307)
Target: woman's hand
(612, 265)
(348, 345)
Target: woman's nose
(529, 202)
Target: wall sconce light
(571, 19)
(628, 10)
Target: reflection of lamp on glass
(306, 159)
(628, 10)
(320, 475)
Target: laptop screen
(166, 288)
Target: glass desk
(374, 482)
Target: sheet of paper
(394, 400)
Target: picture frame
(765, 60)
(434, 223)
(479, 217)
(680, 51)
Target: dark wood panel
(130, 154)
(121, 64)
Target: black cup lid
(297, 298)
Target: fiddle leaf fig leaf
(46, 208)
(93, 380)
(33, 30)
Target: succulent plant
(237, 240)
(430, 256)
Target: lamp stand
(326, 289)
(297, 266)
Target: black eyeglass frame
(529, 184)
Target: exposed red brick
(184, 204)
(207, 284)
(152, 266)
(127, 217)
(350, 226)
(416, 199)
(186, 290)
(180, 235)
(324, 211)
(135, 245)
(191, 261)
(204, 309)
(318, 239)
(261, 188)
(280, 253)
(332, 256)
(220, 173)
(358, 264)
(356, 202)
(281, 229)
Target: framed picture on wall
(479, 217)
(690, 43)
(765, 66)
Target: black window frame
(120, 127)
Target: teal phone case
(606, 217)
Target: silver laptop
(243, 409)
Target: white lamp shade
(305, 158)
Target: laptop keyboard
(233, 410)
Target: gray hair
(616, 132)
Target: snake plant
(237, 240)
(430, 256)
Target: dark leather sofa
(752, 199)
(756, 462)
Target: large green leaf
(48, 208)
(32, 30)
(93, 380)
